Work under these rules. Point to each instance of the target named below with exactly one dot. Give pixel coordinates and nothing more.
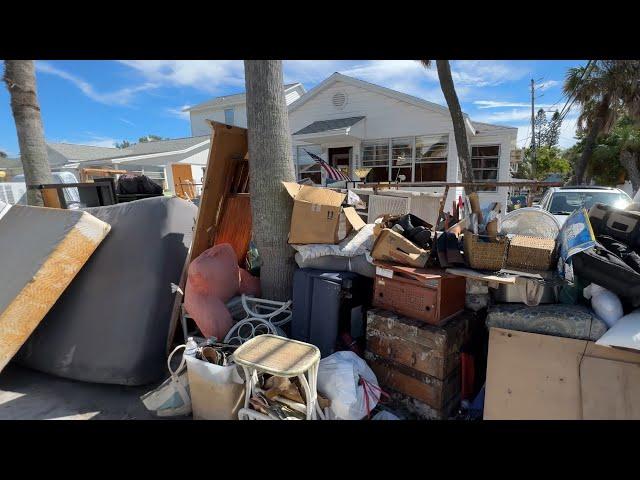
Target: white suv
(563, 201)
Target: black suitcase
(327, 304)
(622, 225)
(602, 267)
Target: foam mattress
(111, 324)
(41, 251)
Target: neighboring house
(354, 124)
(151, 158)
(231, 109)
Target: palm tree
(270, 163)
(604, 89)
(457, 118)
(19, 75)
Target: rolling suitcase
(327, 304)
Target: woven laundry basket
(483, 255)
(532, 253)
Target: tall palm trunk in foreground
(457, 118)
(270, 163)
(19, 75)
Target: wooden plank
(50, 198)
(235, 225)
(475, 275)
(227, 144)
(182, 174)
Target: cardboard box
(391, 246)
(318, 216)
(542, 377)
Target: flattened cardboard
(542, 377)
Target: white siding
(199, 125)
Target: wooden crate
(429, 349)
(437, 394)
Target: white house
(353, 124)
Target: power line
(572, 97)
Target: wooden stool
(281, 357)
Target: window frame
(497, 168)
(233, 115)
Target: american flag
(332, 173)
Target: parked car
(563, 201)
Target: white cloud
(485, 73)
(211, 76)
(122, 96)
(93, 141)
(498, 104)
(515, 114)
(179, 112)
(547, 84)
(128, 122)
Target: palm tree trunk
(630, 162)
(19, 75)
(270, 162)
(590, 142)
(459, 129)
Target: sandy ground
(30, 395)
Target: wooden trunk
(433, 350)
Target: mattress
(111, 324)
(41, 251)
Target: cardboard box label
(384, 272)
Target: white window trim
(497, 168)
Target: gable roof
(326, 125)
(232, 99)
(413, 100)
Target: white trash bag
(172, 397)
(606, 304)
(346, 380)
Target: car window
(567, 202)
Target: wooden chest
(428, 295)
(433, 350)
(417, 362)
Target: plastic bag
(606, 304)
(172, 398)
(346, 380)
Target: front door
(340, 158)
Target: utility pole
(533, 131)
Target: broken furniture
(391, 246)
(42, 251)
(93, 194)
(428, 295)
(111, 324)
(417, 363)
(280, 357)
(542, 377)
(261, 316)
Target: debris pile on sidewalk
(471, 313)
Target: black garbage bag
(129, 184)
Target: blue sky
(99, 102)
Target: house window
(228, 116)
(375, 155)
(485, 160)
(307, 167)
(431, 158)
(401, 159)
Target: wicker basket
(531, 253)
(484, 255)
